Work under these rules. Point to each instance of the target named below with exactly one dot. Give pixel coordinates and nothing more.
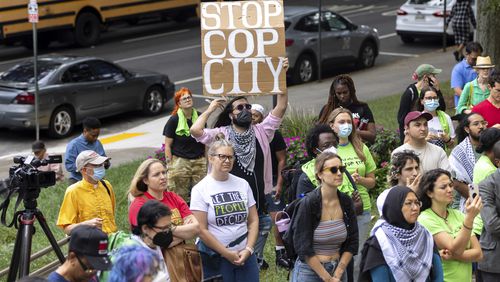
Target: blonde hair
(137, 186)
(353, 138)
(220, 141)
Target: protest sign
(243, 48)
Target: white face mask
(431, 105)
(345, 130)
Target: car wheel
(87, 29)
(367, 55)
(153, 101)
(305, 69)
(407, 39)
(62, 122)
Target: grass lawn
(384, 110)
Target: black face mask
(243, 119)
(163, 239)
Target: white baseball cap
(259, 108)
(89, 157)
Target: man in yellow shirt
(90, 201)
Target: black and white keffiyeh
(244, 148)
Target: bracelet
(466, 227)
(250, 249)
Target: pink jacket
(264, 132)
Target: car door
(306, 32)
(119, 91)
(80, 88)
(337, 40)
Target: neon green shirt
(453, 270)
(351, 160)
(483, 168)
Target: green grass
(384, 110)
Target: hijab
(407, 248)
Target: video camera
(26, 175)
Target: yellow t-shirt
(83, 201)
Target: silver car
(343, 42)
(72, 88)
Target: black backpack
(291, 175)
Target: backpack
(287, 236)
(291, 175)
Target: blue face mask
(345, 130)
(431, 105)
(99, 173)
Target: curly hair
(354, 137)
(398, 162)
(133, 263)
(427, 185)
(312, 138)
(177, 98)
(464, 122)
(333, 100)
(223, 119)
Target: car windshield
(427, 2)
(24, 72)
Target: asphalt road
(174, 49)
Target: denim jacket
(307, 220)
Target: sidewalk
(371, 84)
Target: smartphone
(474, 190)
(429, 80)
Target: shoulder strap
(351, 180)
(471, 93)
(105, 186)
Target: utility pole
(33, 19)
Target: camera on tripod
(26, 175)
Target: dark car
(343, 42)
(74, 87)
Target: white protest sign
(243, 48)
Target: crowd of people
(223, 187)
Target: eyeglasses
(84, 266)
(410, 204)
(240, 107)
(223, 157)
(336, 169)
(163, 228)
(431, 98)
(478, 123)
(186, 98)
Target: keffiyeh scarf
(244, 147)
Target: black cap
(92, 243)
(37, 146)
(487, 139)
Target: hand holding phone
(474, 190)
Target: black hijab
(391, 210)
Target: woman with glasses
(401, 249)
(226, 210)
(360, 164)
(150, 183)
(325, 232)
(183, 154)
(441, 130)
(451, 229)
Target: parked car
(72, 88)
(343, 42)
(423, 19)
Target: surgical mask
(431, 105)
(99, 173)
(345, 130)
(243, 119)
(163, 239)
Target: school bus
(82, 20)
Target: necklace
(444, 218)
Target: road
(174, 49)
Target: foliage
(297, 122)
(159, 154)
(296, 149)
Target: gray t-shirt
(431, 156)
(226, 204)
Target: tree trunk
(488, 32)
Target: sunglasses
(240, 107)
(336, 169)
(84, 266)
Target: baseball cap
(89, 157)
(487, 139)
(259, 108)
(37, 146)
(411, 116)
(92, 243)
(424, 69)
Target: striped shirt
(329, 236)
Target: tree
(488, 33)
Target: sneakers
(282, 259)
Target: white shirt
(226, 204)
(431, 156)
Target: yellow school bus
(83, 20)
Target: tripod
(22, 249)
